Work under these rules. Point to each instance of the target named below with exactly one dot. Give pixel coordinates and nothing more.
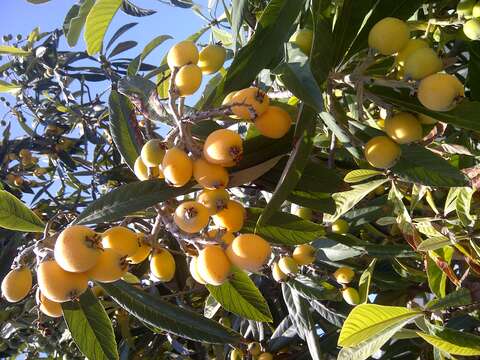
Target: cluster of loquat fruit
(415, 62)
(254, 349)
(470, 10)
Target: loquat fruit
(340, 226)
(188, 79)
(303, 212)
(223, 147)
(351, 296)
(210, 176)
(213, 265)
(421, 63)
(25, 154)
(277, 273)
(211, 58)
(389, 36)
(465, 8)
(59, 285)
(142, 252)
(77, 248)
(141, 170)
(162, 265)
(49, 307)
(227, 236)
(404, 128)
(110, 267)
(236, 354)
(344, 275)
(476, 10)
(304, 254)
(213, 200)
(265, 356)
(288, 265)
(274, 123)
(249, 252)
(249, 103)
(254, 348)
(381, 152)
(440, 92)
(411, 46)
(303, 39)
(231, 217)
(191, 216)
(194, 271)
(471, 29)
(120, 239)
(152, 153)
(17, 284)
(182, 53)
(177, 167)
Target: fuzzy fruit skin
(194, 271)
(177, 167)
(411, 46)
(249, 252)
(304, 254)
(236, 354)
(211, 58)
(254, 348)
(404, 128)
(421, 63)
(183, 53)
(162, 265)
(340, 226)
(476, 10)
(188, 79)
(277, 273)
(274, 123)
(223, 147)
(231, 217)
(191, 216)
(426, 120)
(121, 239)
(303, 39)
(17, 284)
(227, 236)
(389, 36)
(381, 152)
(210, 176)
(77, 248)
(141, 170)
(59, 285)
(344, 275)
(213, 200)
(111, 266)
(49, 307)
(255, 103)
(288, 265)
(142, 252)
(471, 29)
(351, 296)
(213, 265)
(152, 153)
(440, 92)
(265, 356)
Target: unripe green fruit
(344, 275)
(404, 128)
(288, 266)
(471, 29)
(389, 36)
(351, 296)
(340, 226)
(421, 63)
(303, 39)
(476, 10)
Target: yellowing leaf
(12, 50)
(450, 347)
(97, 23)
(15, 215)
(8, 88)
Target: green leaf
(250, 174)
(364, 282)
(456, 298)
(437, 279)
(152, 45)
(124, 127)
(342, 134)
(12, 50)
(295, 165)
(165, 316)
(8, 88)
(367, 320)
(463, 344)
(464, 198)
(271, 32)
(15, 215)
(238, 9)
(473, 79)
(284, 228)
(360, 175)
(434, 243)
(240, 296)
(321, 57)
(90, 327)
(129, 198)
(348, 199)
(76, 24)
(314, 289)
(97, 23)
(420, 165)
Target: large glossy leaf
(366, 320)
(314, 289)
(360, 175)
(240, 296)
(420, 165)
(15, 215)
(129, 198)
(295, 165)
(165, 316)
(364, 282)
(134, 10)
(124, 127)
(322, 55)
(75, 24)
(12, 50)
(271, 32)
(97, 23)
(458, 297)
(284, 228)
(438, 264)
(458, 343)
(464, 199)
(90, 327)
